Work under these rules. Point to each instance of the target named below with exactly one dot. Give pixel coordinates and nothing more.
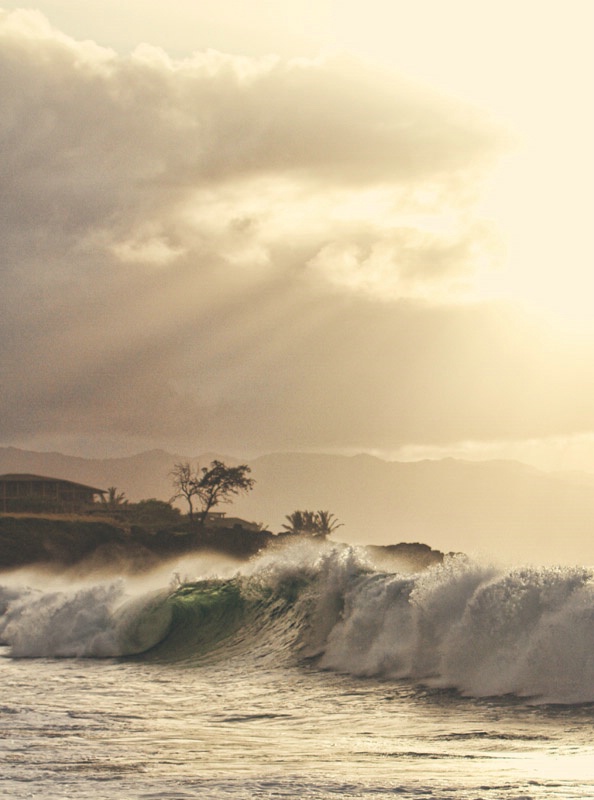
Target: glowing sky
(335, 226)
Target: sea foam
(527, 632)
(477, 628)
(96, 621)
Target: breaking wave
(476, 628)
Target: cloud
(92, 135)
(246, 253)
(408, 262)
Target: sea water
(310, 672)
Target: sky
(319, 226)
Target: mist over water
(316, 632)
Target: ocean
(308, 672)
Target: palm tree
(318, 524)
(326, 523)
(295, 521)
(114, 498)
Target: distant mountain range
(500, 508)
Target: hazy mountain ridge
(500, 507)
(140, 476)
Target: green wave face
(278, 613)
(203, 615)
(215, 619)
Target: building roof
(34, 478)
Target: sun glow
(532, 66)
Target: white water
(366, 718)
(528, 632)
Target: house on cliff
(36, 493)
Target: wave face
(475, 628)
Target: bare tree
(185, 482)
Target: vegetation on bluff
(94, 544)
(130, 537)
(317, 524)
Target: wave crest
(463, 625)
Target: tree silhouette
(210, 486)
(185, 483)
(114, 498)
(220, 483)
(327, 523)
(296, 522)
(318, 524)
